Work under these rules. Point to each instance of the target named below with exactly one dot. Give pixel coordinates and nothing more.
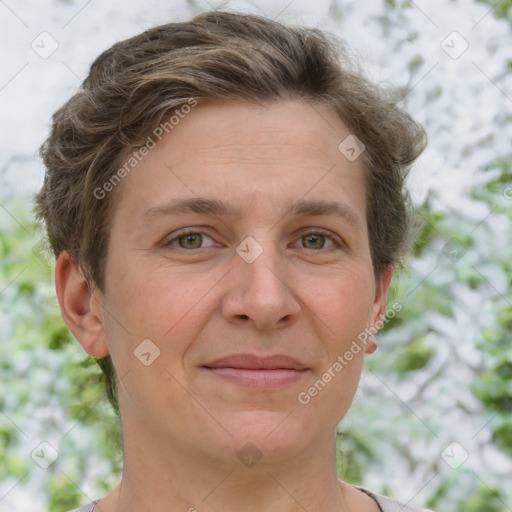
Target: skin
(307, 298)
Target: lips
(269, 372)
(251, 362)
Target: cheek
(343, 304)
(167, 311)
(157, 304)
(343, 312)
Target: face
(239, 248)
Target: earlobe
(379, 308)
(80, 307)
(371, 345)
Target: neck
(168, 480)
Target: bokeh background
(432, 419)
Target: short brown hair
(216, 55)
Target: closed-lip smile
(261, 372)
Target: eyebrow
(214, 207)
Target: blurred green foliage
(57, 392)
(54, 387)
(500, 9)
(63, 494)
(483, 498)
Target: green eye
(191, 241)
(317, 240)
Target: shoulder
(85, 508)
(391, 505)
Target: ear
(379, 306)
(81, 308)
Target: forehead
(279, 127)
(276, 152)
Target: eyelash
(338, 243)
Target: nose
(261, 293)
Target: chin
(271, 437)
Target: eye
(189, 240)
(316, 240)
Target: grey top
(385, 504)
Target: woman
(225, 201)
